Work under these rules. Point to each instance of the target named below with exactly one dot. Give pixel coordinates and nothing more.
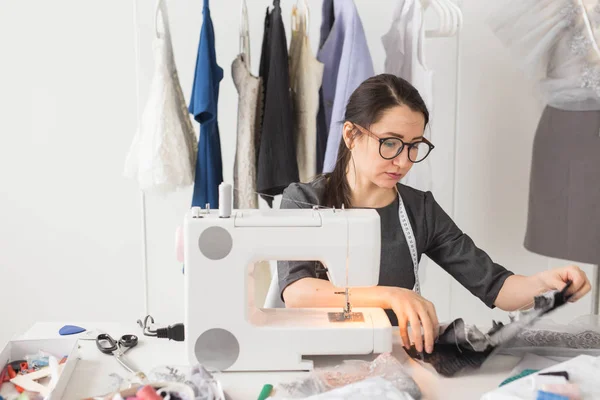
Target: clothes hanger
(457, 17)
(450, 16)
(442, 16)
(157, 11)
(306, 17)
(295, 9)
(244, 46)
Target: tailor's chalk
(70, 330)
(265, 392)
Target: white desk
(91, 376)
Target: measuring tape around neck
(410, 240)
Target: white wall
(69, 230)
(70, 236)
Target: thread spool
(196, 212)
(225, 200)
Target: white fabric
(306, 75)
(404, 47)
(554, 43)
(162, 156)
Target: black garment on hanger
(277, 166)
(328, 18)
(461, 346)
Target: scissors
(108, 345)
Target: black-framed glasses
(391, 147)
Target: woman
(382, 138)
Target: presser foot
(346, 317)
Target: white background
(70, 224)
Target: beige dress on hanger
(306, 74)
(249, 89)
(250, 99)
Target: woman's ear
(348, 134)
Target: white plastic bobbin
(225, 200)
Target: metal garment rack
(142, 195)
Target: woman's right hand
(411, 308)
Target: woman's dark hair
(365, 106)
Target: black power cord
(174, 332)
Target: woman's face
(399, 121)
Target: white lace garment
(555, 42)
(162, 156)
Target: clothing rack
(142, 195)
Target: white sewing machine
(224, 330)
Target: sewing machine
(224, 330)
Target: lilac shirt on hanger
(348, 63)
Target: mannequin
(554, 42)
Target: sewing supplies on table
(30, 377)
(574, 379)
(162, 391)
(107, 345)
(224, 330)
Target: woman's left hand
(557, 278)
